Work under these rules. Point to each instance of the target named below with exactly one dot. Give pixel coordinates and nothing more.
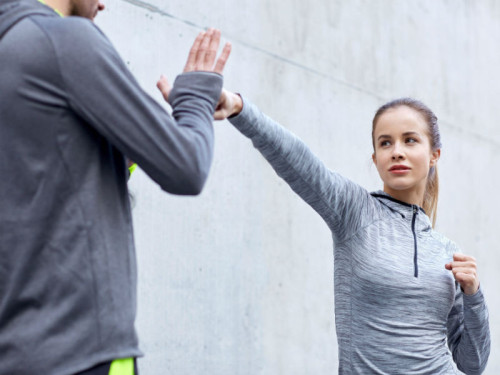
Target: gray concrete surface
(239, 280)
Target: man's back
(67, 258)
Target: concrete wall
(239, 280)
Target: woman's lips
(399, 169)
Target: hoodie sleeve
(468, 332)
(344, 205)
(175, 152)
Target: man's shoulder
(74, 39)
(68, 27)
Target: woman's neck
(412, 196)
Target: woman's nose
(397, 152)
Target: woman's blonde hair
(432, 187)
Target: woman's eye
(385, 143)
(411, 140)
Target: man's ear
(435, 157)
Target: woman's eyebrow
(383, 136)
(405, 134)
(411, 133)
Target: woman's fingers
(221, 114)
(464, 269)
(469, 265)
(222, 108)
(463, 258)
(229, 104)
(463, 277)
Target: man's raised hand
(204, 52)
(201, 58)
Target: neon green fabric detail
(122, 367)
(132, 168)
(55, 10)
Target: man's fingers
(164, 87)
(212, 50)
(202, 51)
(221, 61)
(193, 52)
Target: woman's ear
(435, 157)
(374, 159)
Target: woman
(403, 292)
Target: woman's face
(403, 153)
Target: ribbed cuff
(200, 85)
(474, 299)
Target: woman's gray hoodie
(397, 309)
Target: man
(69, 112)
(87, 9)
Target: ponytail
(431, 195)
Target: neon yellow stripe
(132, 168)
(44, 3)
(122, 367)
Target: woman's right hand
(230, 104)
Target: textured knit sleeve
(468, 332)
(344, 205)
(175, 152)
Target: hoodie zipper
(415, 254)
(415, 210)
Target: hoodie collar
(13, 11)
(385, 198)
(402, 208)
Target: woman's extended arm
(344, 205)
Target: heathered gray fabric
(388, 321)
(69, 112)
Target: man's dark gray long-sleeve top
(69, 112)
